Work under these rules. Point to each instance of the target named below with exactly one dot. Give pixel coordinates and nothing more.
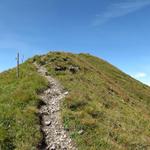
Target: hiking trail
(55, 136)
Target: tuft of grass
(19, 121)
(110, 107)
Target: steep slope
(19, 121)
(105, 108)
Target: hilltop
(104, 109)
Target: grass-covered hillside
(105, 109)
(19, 121)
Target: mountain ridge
(105, 108)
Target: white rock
(66, 93)
(53, 147)
(81, 132)
(47, 123)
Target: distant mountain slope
(105, 110)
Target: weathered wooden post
(18, 65)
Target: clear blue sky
(115, 30)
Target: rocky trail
(55, 136)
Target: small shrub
(75, 104)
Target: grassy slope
(19, 123)
(109, 106)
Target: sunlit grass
(110, 107)
(19, 122)
(105, 109)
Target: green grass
(109, 106)
(19, 121)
